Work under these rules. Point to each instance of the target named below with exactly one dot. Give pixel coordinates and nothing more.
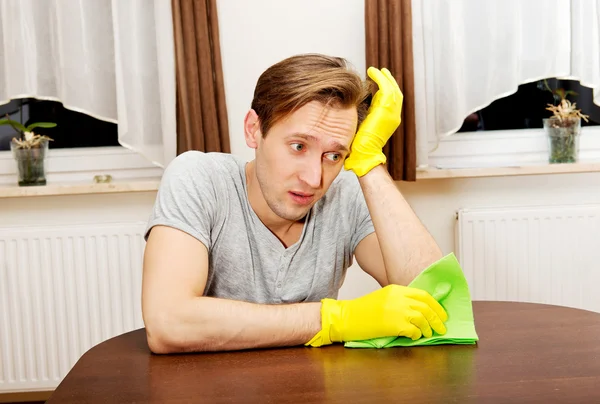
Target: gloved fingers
(432, 318)
(393, 81)
(378, 77)
(423, 296)
(386, 93)
(419, 319)
(412, 331)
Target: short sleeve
(186, 199)
(363, 225)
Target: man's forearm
(406, 245)
(211, 324)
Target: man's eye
(335, 157)
(297, 146)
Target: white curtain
(113, 60)
(469, 53)
(585, 44)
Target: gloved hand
(391, 311)
(382, 120)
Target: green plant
(558, 94)
(27, 138)
(565, 111)
(563, 127)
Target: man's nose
(312, 172)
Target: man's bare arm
(404, 243)
(179, 319)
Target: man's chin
(297, 217)
(295, 214)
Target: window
(509, 132)
(526, 108)
(82, 145)
(73, 130)
(471, 76)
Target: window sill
(533, 169)
(505, 153)
(79, 188)
(83, 164)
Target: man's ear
(252, 131)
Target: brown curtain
(388, 31)
(201, 110)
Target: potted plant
(564, 129)
(29, 150)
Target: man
(248, 255)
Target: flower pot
(31, 163)
(563, 139)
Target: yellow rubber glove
(383, 118)
(391, 311)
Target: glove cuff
(361, 165)
(330, 315)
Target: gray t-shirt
(205, 195)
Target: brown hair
(298, 80)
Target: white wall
(258, 33)
(76, 209)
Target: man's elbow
(161, 335)
(159, 345)
(168, 333)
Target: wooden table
(527, 353)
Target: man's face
(299, 158)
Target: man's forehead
(318, 120)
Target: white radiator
(542, 254)
(64, 289)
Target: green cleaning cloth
(445, 281)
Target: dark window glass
(526, 108)
(74, 129)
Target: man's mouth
(302, 198)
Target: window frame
(81, 164)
